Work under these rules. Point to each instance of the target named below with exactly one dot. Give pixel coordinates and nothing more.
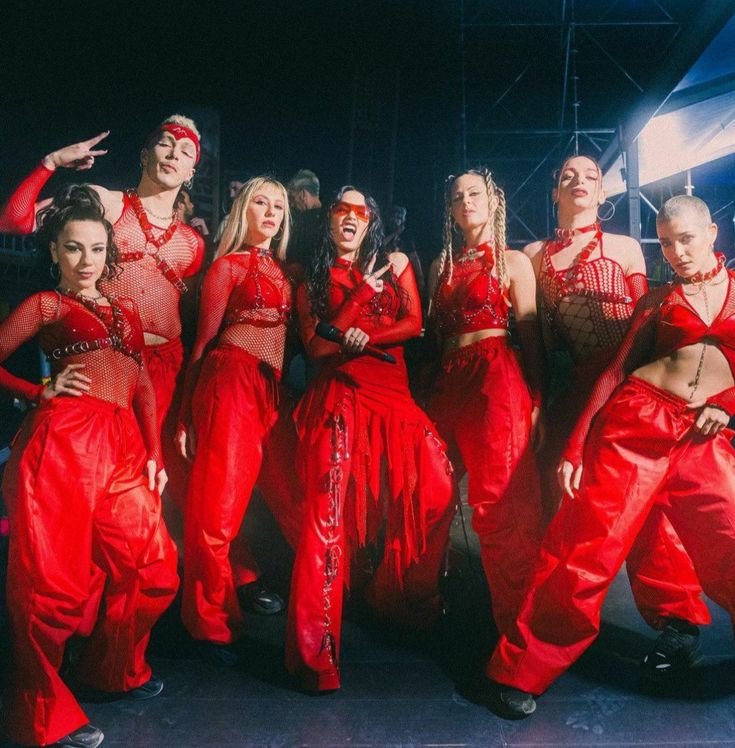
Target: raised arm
(18, 215)
(409, 324)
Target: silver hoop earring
(188, 183)
(610, 211)
(51, 271)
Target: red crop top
(108, 340)
(246, 301)
(589, 304)
(663, 322)
(390, 317)
(473, 299)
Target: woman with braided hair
(482, 404)
(374, 471)
(589, 282)
(82, 487)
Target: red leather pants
(234, 411)
(370, 460)
(78, 502)
(482, 407)
(640, 453)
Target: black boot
(257, 598)
(87, 736)
(674, 651)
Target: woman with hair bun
(82, 487)
(482, 404)
(230, 405)
(371, 462)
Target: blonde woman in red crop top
(483, 404)
(229, 405)
(82, 488)
(653, 433)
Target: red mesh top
(144, 267)
(473, 300)
(589, 304)
(246, 300)
(662, 323)
(144, 280)
(389, 317)
(108, 341)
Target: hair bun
(78, 196)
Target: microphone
(330, 332)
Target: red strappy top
(589, 304)
(108, 340)
(473, 299)
(663, 322)
(246, 301)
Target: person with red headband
(82, 488)
(158, 253)
(374, 471)
(589, 282)
(653, 434)
(482, 403)
(230, 405)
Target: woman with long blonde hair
(230, 403)
(482, 404)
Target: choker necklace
(565, 237)
(160, 218)
(78, 295)
(474, 253)
(699, 279)
(145, 224)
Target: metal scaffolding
(585, 66)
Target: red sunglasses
(342, 208)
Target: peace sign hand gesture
(375, 280)
(79, 156)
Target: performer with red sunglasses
(370, 458)
(589, 283)
(652, 434)
(482, 403)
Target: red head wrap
(182, 131)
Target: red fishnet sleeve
(532, 355)
(215, 293)
(637, 285)
(18, 215)
(196, 264)
(633, 352)
(144, 404)
(21, 325)
(409, 325)
(348, 312)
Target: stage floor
(402, 690)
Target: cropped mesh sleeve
(215, 292)
(633, 352)
(23, 324)
(348, 312)
(409, 325)
(18, 215)
(637, 285)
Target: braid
(446, 253)
(500, 239)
